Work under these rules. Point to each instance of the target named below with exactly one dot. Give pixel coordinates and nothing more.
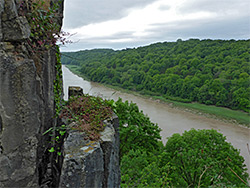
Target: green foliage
(140, 148)
(143, 169)
(43, 27)
(212, 72)
(57, 134)
(45, 31)
(136, 129)
(204, 158)
(58, 84)
(59, 102)
(88, 113)
(86, 56)
(198, 158)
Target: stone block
(75, 91)
(110, 142)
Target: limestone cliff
(89, 163)
(27, 110)
(26, 100)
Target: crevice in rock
(50, 165)
(106, 160)
(1, 124)
(1, 149)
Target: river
(170, 120)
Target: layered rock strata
(27, 110)
(26, 100)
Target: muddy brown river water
(169, 119)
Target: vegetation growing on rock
(88, 113)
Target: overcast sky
(120, 24)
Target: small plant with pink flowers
(42, 18)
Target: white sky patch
(120, 40)
(139, 22)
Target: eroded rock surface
(27, 110)
(92, 163)
(26, 101)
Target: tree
(203, 158)
(241, 99)
(208, 71)
(142, 169)
(136, 129)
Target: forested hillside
(213, 72)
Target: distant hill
(213, 72)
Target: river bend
(170, 120)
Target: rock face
(27, 110)
(14, 27)
(26, 101)
(92, 163)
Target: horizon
(120, 24)
(126, 48)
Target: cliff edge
(26, 98)
(30, 88)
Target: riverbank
(223, 114)
(169, 118)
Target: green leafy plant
(44, 30)
(42, 18)
(143, 169)
(202, 158)
(136, 129)
(58, 84)
(57, 134)
(140, 148)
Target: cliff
(92, 163)
(28, 107)
(26, 99)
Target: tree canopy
(204, 158)
(213, 72)
(197, 158)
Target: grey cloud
(218, 6)
(83, 12)
(104, 42)
(228, 27)
(164, 7)
(223, 29)
(120, 35)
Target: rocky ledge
(92, 163)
